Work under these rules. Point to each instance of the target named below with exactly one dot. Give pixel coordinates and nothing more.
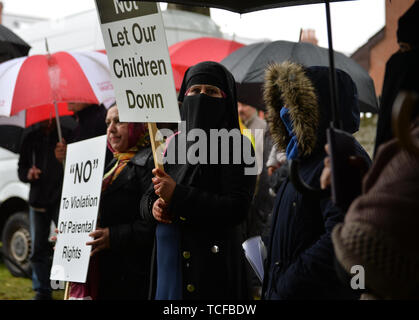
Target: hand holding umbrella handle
(57, 119)
(299, 184)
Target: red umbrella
(30, 116)
(45, 80)
(190, 52)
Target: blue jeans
(40, 257)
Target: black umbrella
(248, 65)
(246, 6)
(11, 45)
(341, 143)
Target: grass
(14, 288)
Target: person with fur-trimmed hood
(300, 262)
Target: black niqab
(203, 112)
(207, 112)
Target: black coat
(401, 74)
(210, 214)
(300, 262)
(124, 268)
(38, 149)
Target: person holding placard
(202, 205)
(122, 244)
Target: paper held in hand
(255, 252)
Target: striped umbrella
(44, 81)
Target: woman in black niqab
(203, 111)
(198, 235)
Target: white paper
(255, 252)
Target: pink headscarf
(136, 131)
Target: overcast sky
(353, 22)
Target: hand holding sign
(161, 212)
(101, 240)
(164, 185)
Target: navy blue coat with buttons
(300, 262)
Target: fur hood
(305, 92)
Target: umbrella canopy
(11, 45)
(38, 80)
(248, 66)
(190, 52)
(246, 6)
(26, 118)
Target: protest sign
(139, 61)
(79, 206)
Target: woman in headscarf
(122, 245)
(199, 254)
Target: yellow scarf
(122, 159)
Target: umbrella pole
(57, 119)
(336, 122)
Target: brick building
(374, 54)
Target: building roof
(362, 54)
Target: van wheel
(17, 245)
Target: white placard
(79, 206)
(139, 60)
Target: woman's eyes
(116, 122)
(207, 91)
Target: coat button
(294, 204)
(190, 287)
(186, 254)
(215, 249)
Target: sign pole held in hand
(155, 144)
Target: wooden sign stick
(67, 290)
(157, 156)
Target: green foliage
(13, 288)
(367, 132)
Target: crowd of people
(177, 233)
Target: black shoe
(42, 296)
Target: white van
(14, 216)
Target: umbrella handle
(57, 119)
(299, 183)
(404, 106)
